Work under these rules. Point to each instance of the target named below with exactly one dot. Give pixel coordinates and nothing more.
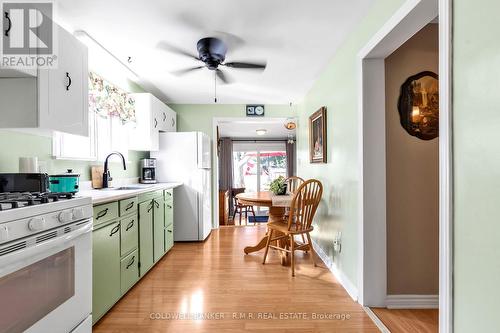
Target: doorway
(372, 280)
(251, 153)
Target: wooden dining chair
(240, 208)
(293, 183)
(305, 201)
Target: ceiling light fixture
(261, 131)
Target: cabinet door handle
(150, 206)
(169, 207)
(130, 205)
(169, 230)
(9, 24)
(156, 123)
(69, 81)
(173, 122)
(169, 194)
(130, 225)
(114, 230)
(156, 203)
(102, 213)
(131, 262)
(164, 116)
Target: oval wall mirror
(418, 105)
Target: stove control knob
(4, 233)
(78, 213)
(65, 216)
(36, 224)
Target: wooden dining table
(276, 213)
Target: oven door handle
(29, 253)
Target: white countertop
(108, 195)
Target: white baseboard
(412, 301)
(376, 320)
(351, 289)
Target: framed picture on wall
(317, 136)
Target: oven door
(46, 285)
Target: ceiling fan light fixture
(261, 131)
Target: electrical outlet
(337, 244)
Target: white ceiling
(246, 129)
(297, 38)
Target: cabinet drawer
(128, 206)
(106, 212)
(129, 271)
(129, 234)
(169, 237)
(168, 195)
(150, 195)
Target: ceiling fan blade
(223, 77)
(186, 70)
(246, 65)
(174, 49)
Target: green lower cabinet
(129, 274)
(159, 227)
(105, 269)
(145, 236)
(169, 237)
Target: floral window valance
(107, 100)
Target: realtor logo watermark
(28, 39)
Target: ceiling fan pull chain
(215, 86)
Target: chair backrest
(236, 191)
(293, 183)
(305, 201)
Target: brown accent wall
(412, 178)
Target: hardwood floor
(409, 321)
(215, 277)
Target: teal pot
(64, 183)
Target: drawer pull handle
(156, 123)
(130, 225)
(164, 116)
(9, 26)
(114, 230)
(69, 81)
(102, 213)
(131, 262)
(130, 205)
(169, 207)
(169, 231)
(169, 194)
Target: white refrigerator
(185, 157)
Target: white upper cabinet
(152, 117)
(53, 100)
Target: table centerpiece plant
(278, 186)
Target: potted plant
(278, 186)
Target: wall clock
(255, 110)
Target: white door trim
(372, 268)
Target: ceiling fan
(212, 52)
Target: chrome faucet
(106, 177)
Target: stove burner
(9, 200)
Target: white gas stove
(45, 263)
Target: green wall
(337, 90)
(14, 145)
(476, 149)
